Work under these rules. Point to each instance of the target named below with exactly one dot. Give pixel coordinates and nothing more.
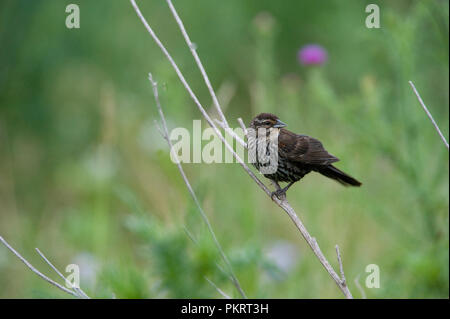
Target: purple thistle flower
(312, 54)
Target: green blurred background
(86, 177)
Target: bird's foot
(280, 193)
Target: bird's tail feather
(339, 176)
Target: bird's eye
(266, 122)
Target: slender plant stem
(241, 123)
(231, 132)
(77, 290)
(37, 272)
(429, 114)
(193, 49)
(341, 267)
(220, 291)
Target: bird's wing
(303, 149)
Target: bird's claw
(279, 193)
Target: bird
(295, 155)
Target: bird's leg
(280, 192)
(277, 188)
(275, 183)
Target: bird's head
(266, 121)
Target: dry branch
(37, 272)
(241, 123)
(429, 114)
(192, 47)
(283, 203)
(231, 132)
(220, 291)
(77, 290)
(341, 267)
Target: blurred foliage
(86, 177)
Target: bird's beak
(279, 124)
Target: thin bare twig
(77, 290)
(192, 47)
(188, 184)
(283, 203)
(160, 130)
(429, 114)
(37, 272)
(230, 131)
(341, 267)
(220, 291)
(244, 128)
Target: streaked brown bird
(298, 154)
